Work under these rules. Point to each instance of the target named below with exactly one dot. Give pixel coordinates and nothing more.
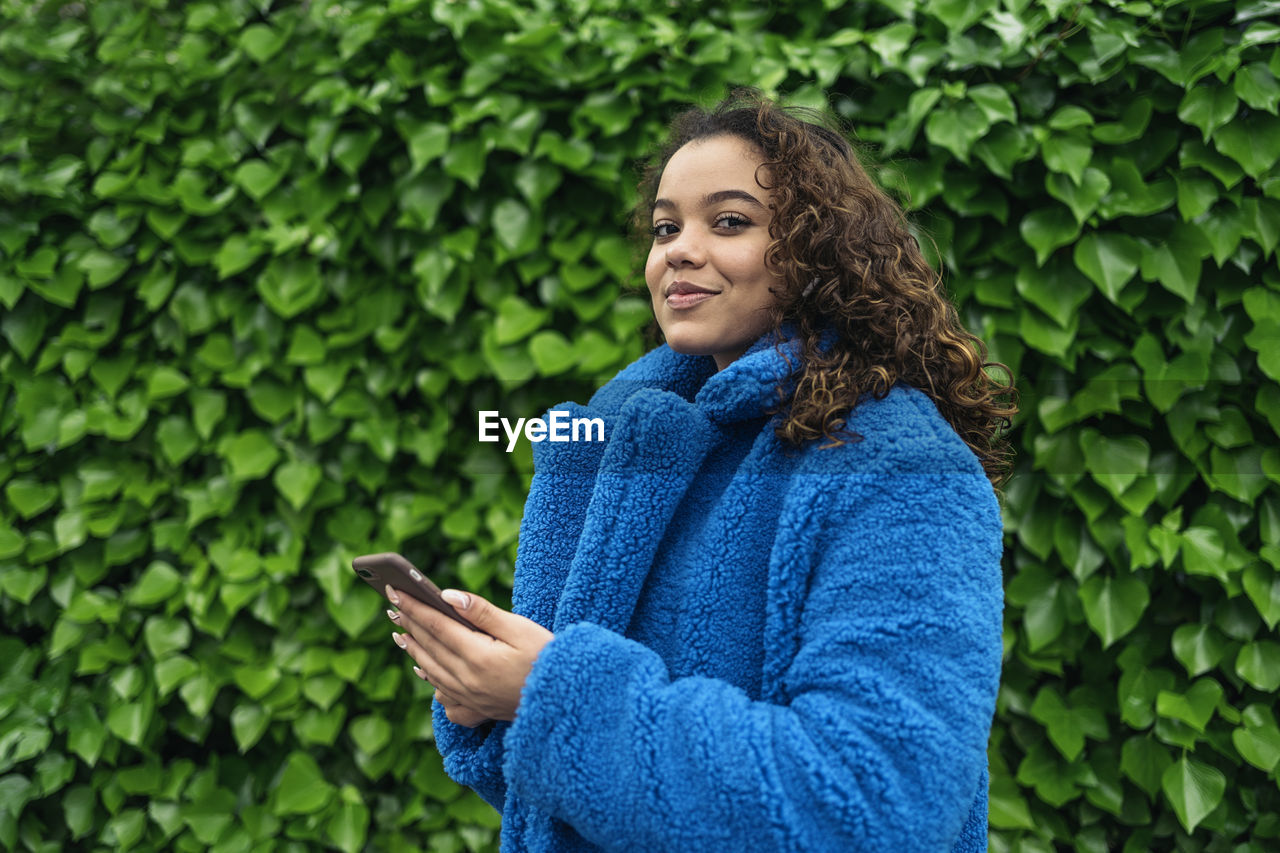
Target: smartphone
(381, 570)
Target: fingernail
(391, 595)
(399, 638)
(393, 616)
(418, 671)
(459, 600)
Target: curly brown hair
(834, 229)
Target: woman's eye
(732, 220)
(664, 229)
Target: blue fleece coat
(797, 649)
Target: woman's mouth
(683, 294)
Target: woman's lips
(683, 294)
(688, 300)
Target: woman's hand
(477, 677)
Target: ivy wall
(261, 263)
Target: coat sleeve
(879, 741)
(472, 757)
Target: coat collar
(747, 388)
(663, 415)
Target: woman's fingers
(430, 668)
(484, 672)
(459, 713)
(433, 630)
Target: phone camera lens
(364, 573)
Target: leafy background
(261, 263)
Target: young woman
(765, 614)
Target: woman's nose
(685, 250)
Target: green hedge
(261, 264)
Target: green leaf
(574, 154)
(516, 320)
(173, 671)
(1259, 664)
(24, 328)
(78, 806)
(1195, 707)
(85, 732)
(1044, 616)
(157, 583)
(465, 160)
(1262, 222)
(1008, 808)
(1145, 761)
(256, 679)
(1253, 142)
(959, 15)
(514, 226)
(129, 721)
(302, 788)
(422, 196)
(995, 103)
(1045, 335)
(551, 352)
(1068, 117)
(1199, 647)
(537, 180)
(1196, 195)
(1137, 696)
(1113, 606)
(1109, 260)
(371, 733)
(1208, 108)
(1223, 230)
(352, 148)
(249, 723)
(257, 178)
(252, 454)
(30, 498)
(306, 346)
(165, 381)
(427, 141)
(272, 401)
(1204, 552)
(956, 127)
(290, 285)
(208, 408)
(1068, 153)
(1115, 463)
(1257, 86)
(1194, 789)
(1258, 740)
(1262, 585)
(125, 829)
(164, 636)
(297, 481)
(1067, 725)
(1195, 153)
(193, 309)
(349, 826)
(100, 267)
(1083, 197)
(1176, 265)
(177, 439)
(1047, 229)
(40, 264)
(261, 42)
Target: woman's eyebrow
(715, 198)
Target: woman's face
(706, 271)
